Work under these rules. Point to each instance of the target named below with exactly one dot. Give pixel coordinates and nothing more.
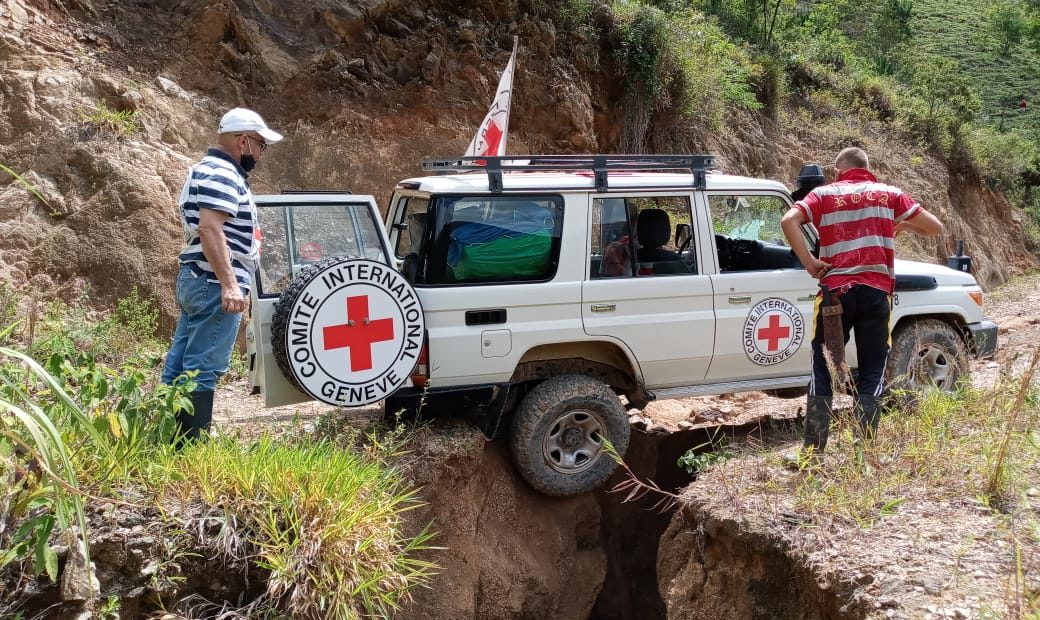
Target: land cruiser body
(553, 287)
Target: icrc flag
(491, 136)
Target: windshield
(297, 235)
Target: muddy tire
(558, 432)
(926, 354)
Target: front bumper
(982, 338)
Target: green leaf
(50, 562)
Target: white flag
(491, 136)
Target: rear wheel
(926, 354)
(558, 435)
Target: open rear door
(298, 230)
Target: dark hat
(811, 175)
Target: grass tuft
(327, 523)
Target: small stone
(933, 585)
(685, 425)
(171, 88)
(891, 586)
(888, 601)
(150, 568)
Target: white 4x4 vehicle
(551, 287)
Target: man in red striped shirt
(858, 219)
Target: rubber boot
(817, 422)
(191, 426)
(868, 410)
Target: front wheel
(927, 354)
(558, 435)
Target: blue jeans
(205, 334)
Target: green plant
(109, 610)
(705, 454)
(122, 123)
(1007, 23)
(324, 521)
(34, 450)
(26, 184)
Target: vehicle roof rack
(600, 165)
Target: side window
(483, 239)
(641, 236)
(748, 234)
(412, 226)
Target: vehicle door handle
(740, 299)
(604, 307)
(808, 297)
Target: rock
(171, 88)
(685, 425)
(467, 35)
(933, 584)
(891, 586)
(431, 66)
(78, 581)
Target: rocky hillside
(105, 105)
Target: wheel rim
(574, 441)
(933, 367)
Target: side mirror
(683, 234)
(410, 267)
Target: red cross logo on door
(359, 333)
(773, 333)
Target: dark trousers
(867, 311)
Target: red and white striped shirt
(856, 218)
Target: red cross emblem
(774, 333)
(359, 333)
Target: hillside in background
(107, 104)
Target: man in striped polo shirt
(857, 219)
(217, 262)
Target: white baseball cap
(241, 119)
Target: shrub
(1002, 157)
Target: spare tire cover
(348, 331)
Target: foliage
(1007, 23)
(326, 522)
(705, 454)
(42, 489)
(943, 99)
(127, 335)
(1003, 157)
(121, 123)
(974, 443)
(675, 62)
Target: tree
(1007, 23)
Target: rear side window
(297, 235)
(484, 239)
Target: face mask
(248, 162)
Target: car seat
(653, 229)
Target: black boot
(192, 425)
(817, 422)
(868, 410)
